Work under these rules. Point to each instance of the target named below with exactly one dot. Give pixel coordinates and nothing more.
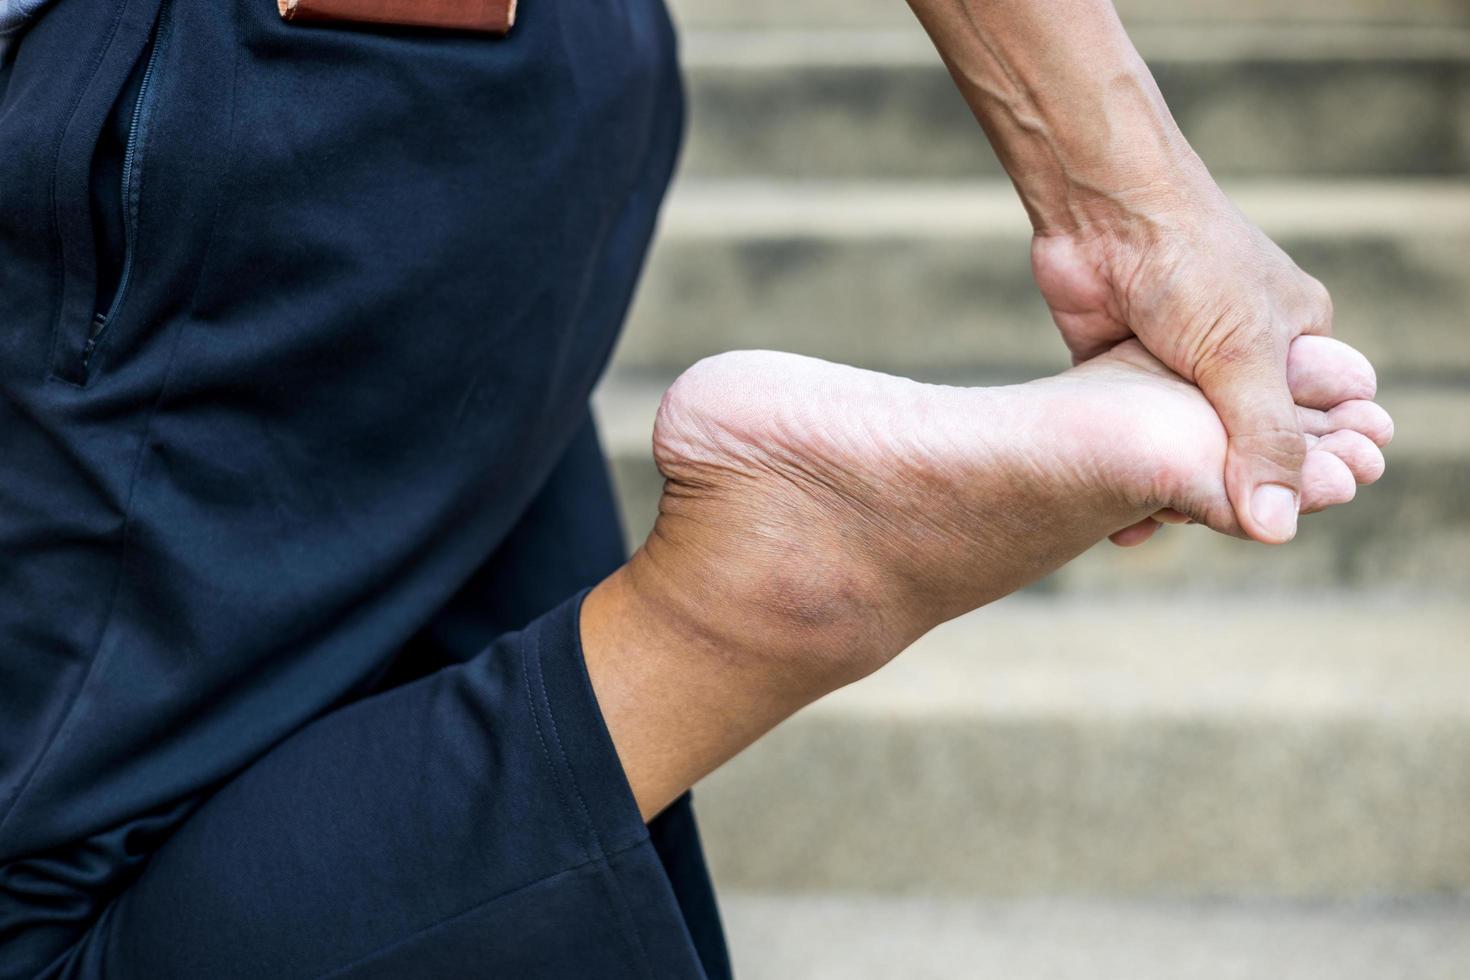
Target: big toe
(1322, 372)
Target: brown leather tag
(485, 16)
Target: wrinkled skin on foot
(842, 513)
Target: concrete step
(851, 937)
(1409, 530)
(935, 280)
(1205, 13)
(1330, 100)
(1294, 747)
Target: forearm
(1068, 104)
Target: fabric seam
(616, 884)
(58, 265)
(159, 38)
(556, 777)
(510, 893)
(69, 715)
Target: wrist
(1128, 196)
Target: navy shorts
(299, 496)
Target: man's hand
(1219, 303)
(1133, 238)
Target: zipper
(130, 196)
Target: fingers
(1322, 373)
(1334, 435)
(1332, 386)
(1248, 389)
(1336, 464)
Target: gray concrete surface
(844, 937)
(1333, 100)
(1150, 747)
(934, 280)
(1149, 727)
(820, 13)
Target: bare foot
(843, 512)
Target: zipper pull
(99, 320)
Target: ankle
(808, 625)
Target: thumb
(1263, 464)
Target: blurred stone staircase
(1168, 761)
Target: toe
(1326, 482)
(1323, 372)
(1359, 415)
(1364, 459)
(1134, 534)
